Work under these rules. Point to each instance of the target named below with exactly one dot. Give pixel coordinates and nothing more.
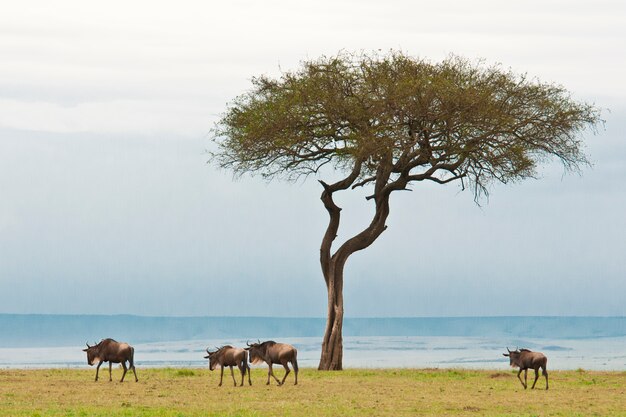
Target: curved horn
(248, 343)
(87, 345)
(207, 351)
(258, 341)
(508, 350)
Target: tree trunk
(332, 345)
(333, 265)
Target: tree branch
(334, 213)
(365, 181)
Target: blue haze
(91, 224)
(74, 330)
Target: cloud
(147, 66)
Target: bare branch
(365, 181)
(447, 180)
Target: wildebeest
(229, 356)
(525, 359)
(271, 352)
(108, 350)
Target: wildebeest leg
(545, 373)
(520, 378)
(98, 369)
(525, 378)
(232, 374)
(131, 363)
(110, 366)
(249, 372)
(221, 375)
(286, 366)
(242, 368)
(125, 369)
(271, 372)
(536, 377)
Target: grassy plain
(355, 392)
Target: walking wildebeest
(229, 356)
(524, 359)
(108, 350)
(271, 352)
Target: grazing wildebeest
(271, 352)
(229, 356)
(108, 350)
(524, 359)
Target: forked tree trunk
(333, 266)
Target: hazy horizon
(311, 317)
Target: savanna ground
(354, 392)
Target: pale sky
(107, 204)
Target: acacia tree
(386, 121)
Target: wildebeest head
(513, 357)
(257, 351)
(215, 357)
(93, 354)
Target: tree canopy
(398, 119)
(386, 121)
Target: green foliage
(396, 117)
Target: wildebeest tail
(245, 362)
(295, 362)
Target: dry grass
(361, 392)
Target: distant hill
(21, 330)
